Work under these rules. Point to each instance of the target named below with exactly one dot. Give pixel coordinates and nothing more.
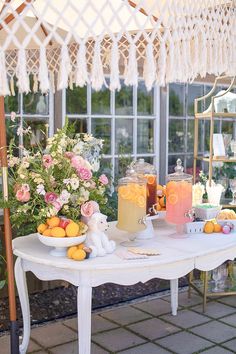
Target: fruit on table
(58, 232)
(161, 197)
(217, 228)
(53, 221)
(65, 227)
(72, 229)
(209, 227)
(226, 214)
(226, 229)
(76, 253)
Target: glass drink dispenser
(179, 198)
(132, 196)
(147, 171)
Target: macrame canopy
(70, 43)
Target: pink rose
(50, 197)
(84, 173)
(25, 187)
(47, 161)
(92, 184)
(22, 196)
(87, 209)
(69, 154)
(103, 179)
(57, 205)
(77, 162)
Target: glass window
(39, 130)
(106, 166)
(76, 100)
(145, 136)
(145, 100)
(177, 135)
(121, 164)
(124, 100)
(35, 103)
(124, 136)
(227, 127)
(11, 128)
(101, 101)
(172, 162)
(79, 124)
(101, 128)
(190, 135)
(176, 99)
(194, 91)
(11, 103)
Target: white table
(178, 258)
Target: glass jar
(147, 171)
(178, 196)
(132, 200)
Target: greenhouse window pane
(145, 136)
(124, 136)
(145, 100)
(11, 128)
(190, 136)
(106, 167)
(11, 103)
(176, 99)
(101, 128)
(176, 135)
(36, 103)
(124, 100)
(194, 91)
(39, 128)
(79, 125)
(76, 100)
(101, 101)
(227, 127)
(121, 165)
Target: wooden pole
(8, 234)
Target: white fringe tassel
(82, 77)
(4, 87)
(21, 71)
(97, 75)
(131, 72)
(35, 84)
(149, 68)
(114, 67)
(65, 68)
(162, 64)
(12, 86)
(43, 71)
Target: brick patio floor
(145, 326)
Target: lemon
(79, 255)
(71, 251)
(41, 228)
(54, 221)
(72, 230)
(58, 232)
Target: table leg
(174, 296)
(24, 302)
(84, 308)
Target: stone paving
(145, 326)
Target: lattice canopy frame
(66, 43)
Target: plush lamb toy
(96, 238)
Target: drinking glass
(233, 148)
(216, 276)
(232, 183)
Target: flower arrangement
(62, 179)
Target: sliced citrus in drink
(124, 192)
(172, 199)
(151, 179)
(141, 201)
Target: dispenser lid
(179, 173)
(141, 167)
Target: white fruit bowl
(60, 244)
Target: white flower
(84, 194)
(13, 116)
(78, 148)
(40, 189)
(74, 182)
(25, 162)
(64, 196)
(20, 131)
(22, 176)
(13, 161)
(38, 180)
(66, 181)
(26, 187)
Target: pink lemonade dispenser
(179, 199)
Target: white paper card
(218, 145)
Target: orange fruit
(209, 227)
(41, 228)
(54, 221)
(164, 190)
(81, 246)
(124, 192)
(172, 199)
(47, 232)
(157, 207)
(159, 190)
(58, 232)
(79, 255)
(71, 250)
(162, 202)
(217, 228)
(72, 230)
(150, 179)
